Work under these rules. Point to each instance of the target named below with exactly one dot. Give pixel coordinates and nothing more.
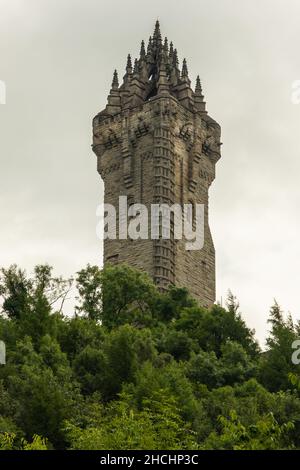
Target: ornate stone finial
(115, 82)
(157, 33)
(184, 72)
(129, 64)
(175, 58)
(200, 104)
(149, 47)
(136, 67)
(156, 40)
(142, 52)
(198, 88)
(166, 46)
(114, 100)
(171, 49)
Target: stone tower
(155, 143)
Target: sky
(57, 59)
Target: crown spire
(157, 33)
(156, 71)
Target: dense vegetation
(136, 369)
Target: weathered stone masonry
(155, 143)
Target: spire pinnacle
(129, 65)
(175, 58)
(166, 46)
(115, 82)
(198, 89)
(184, 72)
(171, 49)
(200, 104)
(149, 47)
(143, 52)
(157, 34)
(136, 66)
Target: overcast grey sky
(57, 58)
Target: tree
(276, 363)
(30, 301)
(121, 426)
(43, 386)
(134, 368)
(266, 434)
(116, 295)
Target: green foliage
(158, 425)
(8, 441)
(215, 327)
(89, 285)
(38, 443)
(116, 295)
(137, 369)
(43, 386)
(233, 366)
(276, 364)
(265, 434)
